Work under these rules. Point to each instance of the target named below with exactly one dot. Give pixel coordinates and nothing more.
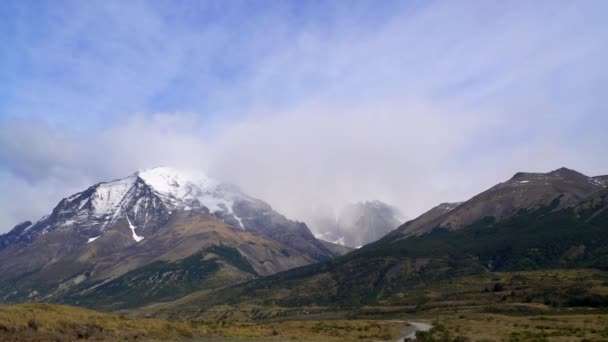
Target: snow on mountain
(108, 197)
(187, 190)
(145, 199)
(92, 239)
(176, 184)
(601, 180)
(136, 237)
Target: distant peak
(561, 172)
(375, 203)
(564, 171)
(167, 178)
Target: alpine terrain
(531, 222)
(156, 235)
(357, 224)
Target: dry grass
(491, 327)
(48, 322)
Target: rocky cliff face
(357, 224)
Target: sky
(305, 104)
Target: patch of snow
(67, 223)
(175, 183)
(27, 227)
(340, 241)
(82, 203)
(399, 218)
(136, 237)
(240, 222)
(321, 235)
(108, 196)
(598, 182)
(93, 239)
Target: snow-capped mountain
(111, 232)
(357, 224)
(146, 200)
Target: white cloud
(433, 104)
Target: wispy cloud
(413, 104)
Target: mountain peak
(525, 190)
(564, 171)
(175, 182)
(357, 223)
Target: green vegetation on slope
(232, 256)
(49, 322)
(163, 281)
(543, 238)
(534, 239)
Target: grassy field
(531, 292)
(544, 305)
(49, 322)
(527, 293)
(547, 305)
(492, 327)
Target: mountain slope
(77, 272)
(602, 180)
(522, 191)
(147, 198)
(159, 220)
(559, 234)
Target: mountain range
(195, 244)
(186, 229)
(533, 221)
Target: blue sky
(116, 58)
(411, 102)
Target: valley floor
(50, 322)
(547, 305)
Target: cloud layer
(412, 105)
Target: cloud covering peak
(411, 104)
